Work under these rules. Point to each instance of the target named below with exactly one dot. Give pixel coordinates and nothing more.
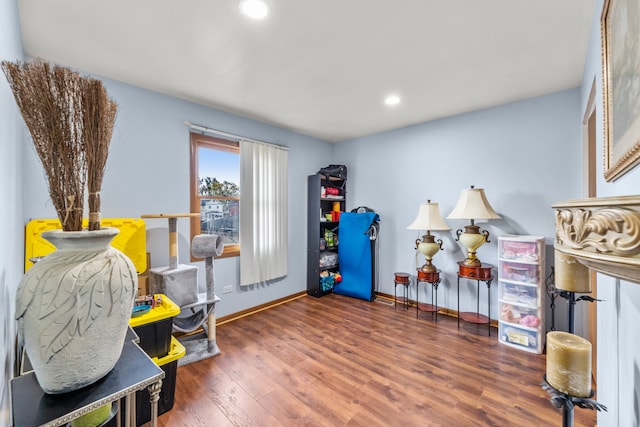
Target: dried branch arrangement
(99, 115)
(70, 118)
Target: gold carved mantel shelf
(601, 233)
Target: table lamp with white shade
(472, 205)
(428, 219)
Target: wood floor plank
(339, 361)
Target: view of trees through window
(220, 208)
(215, 173)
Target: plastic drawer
(520, 315)
(518, 294)
(519, 250)
(520, 272)
(522, 338)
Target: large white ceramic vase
(74, 307)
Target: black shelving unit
(317, 207)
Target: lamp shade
(428, 218)
(473, 204)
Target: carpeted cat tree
(202, 312)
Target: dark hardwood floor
(339, 361)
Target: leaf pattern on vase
(60, 330)
(76, 290)
(26, 293)
(124, 272)
(61, 279)
(91, 281)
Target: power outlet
(227, 289)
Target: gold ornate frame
(620, 31)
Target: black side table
(481, 273)
(432, 278)
(134, 371)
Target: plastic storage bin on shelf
(327, 282)
(328, 259)
(154, 328)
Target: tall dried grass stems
(70, 118)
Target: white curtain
(263, 212)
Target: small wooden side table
(481, 273)
(432, 278)
(401, 279)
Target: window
(215, 190)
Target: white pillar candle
(569, 363)
(570, 274)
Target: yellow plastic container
(176, 352)
(154, 328)
(132, 239)
(164, 310)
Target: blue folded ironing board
(356, 255)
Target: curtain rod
(231, 136)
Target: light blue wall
(618, 348)
(148, 173)
(526, 155)
(12, 139)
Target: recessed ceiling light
(392, 100)
(254, 9)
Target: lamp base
(471, 260)
(472, 239)
(428, 267)
(428, 246)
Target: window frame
(205, 141)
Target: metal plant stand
(553, 293)
(568, 402)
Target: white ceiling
(322, 68)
